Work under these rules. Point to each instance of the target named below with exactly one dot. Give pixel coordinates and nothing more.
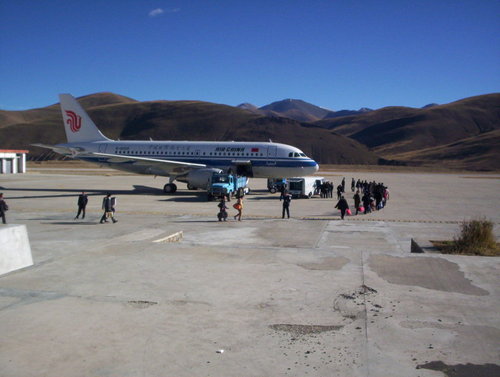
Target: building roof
(13, 151)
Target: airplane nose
(313, 168)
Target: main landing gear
(170, 188)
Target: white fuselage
(264, 160)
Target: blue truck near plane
(226, 185)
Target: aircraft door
(271, 155)
(102, 148)
(244, 170)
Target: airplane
(191, 162)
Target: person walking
(3, 208)
(108, 205)
(343, 206)
(339, 191)
(287, 199)
(222, 215)
(357, 201)
(82, 203)
(239, 207)
(366, 202)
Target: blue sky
(335, 54)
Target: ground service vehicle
(275, 184)
(303, 187)
(226, 185)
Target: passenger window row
(187, 153)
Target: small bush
(476, 237)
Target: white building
(12, 161)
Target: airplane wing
(65, 151)
(156, 166)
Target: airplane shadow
(265, 198)
(186, 198)
(70, 223)
(61, 193)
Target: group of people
(108, 206)
(285, 198)
(369, 196)
(325, 190)
(238, 206)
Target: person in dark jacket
(357, 201)
(3, 208)
(343, 206)
(339, 192)
(366, 202)
(287, 198)
(82, 203)
(222, 215)
(108, 205)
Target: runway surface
(312, 295)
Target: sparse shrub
(476, 237)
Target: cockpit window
(297, 154)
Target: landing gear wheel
(170, 188)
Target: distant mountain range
(299, 110)
(463, 134)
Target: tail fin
(77, 124)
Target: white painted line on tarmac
(176, 237)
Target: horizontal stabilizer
(59, 149)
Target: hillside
(392, 131)
(123, 118)
(461, 134)
(479, 152)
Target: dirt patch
(426, 272)
(297, 330)
(140, 304)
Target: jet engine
(198, 178)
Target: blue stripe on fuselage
(282, 162)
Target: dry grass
(476, 238)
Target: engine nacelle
(199, 178)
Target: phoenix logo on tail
(74, 121)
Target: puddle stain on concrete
(463, 370)
(426, 272)
(328, 264)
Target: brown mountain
(289, 108)
(479, 152)
(393, 131)
(123, 118)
